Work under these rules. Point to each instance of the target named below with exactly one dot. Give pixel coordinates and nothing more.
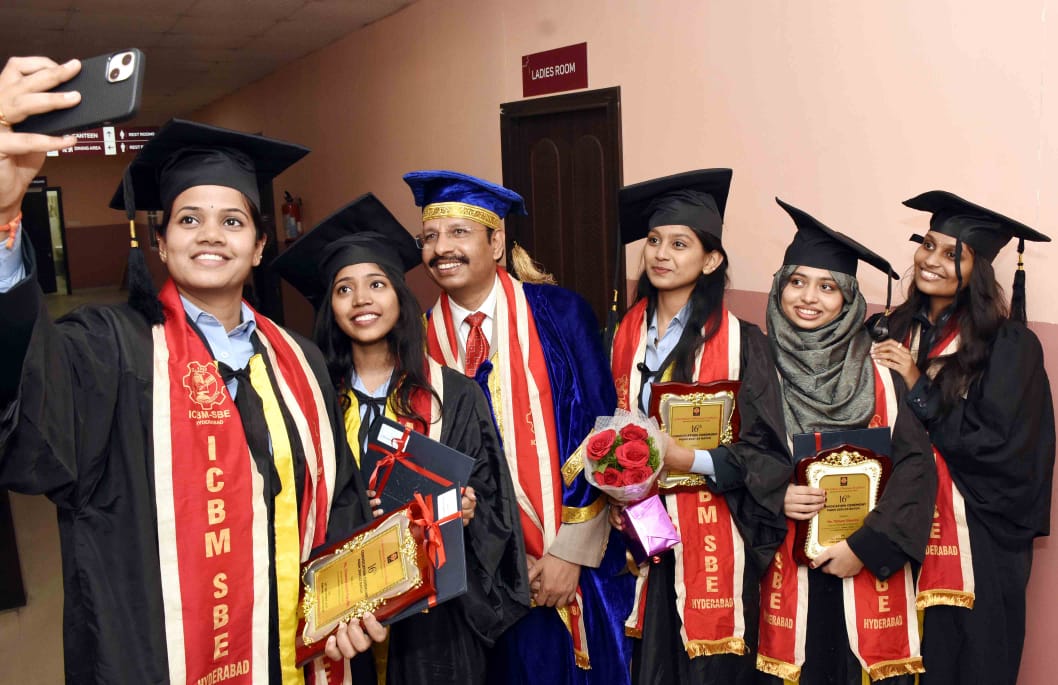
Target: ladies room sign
(554, 71)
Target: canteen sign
(555, 70)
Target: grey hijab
(827, 374)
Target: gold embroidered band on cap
(461, 210)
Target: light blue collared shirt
(381, 392)
(657, 350)
(234, 347)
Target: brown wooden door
(563, 155)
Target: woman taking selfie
(978, 384)
(370, 328)
(188, 442)
(859, 591)
(680, 330)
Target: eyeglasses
(457, 234)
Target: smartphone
(110, 87)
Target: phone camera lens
(127, 59)
(114, 73)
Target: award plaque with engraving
(383, 569)
(700, 415)
(853, 478)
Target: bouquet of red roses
(623, 457)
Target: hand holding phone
(110, 86)
(26, 85)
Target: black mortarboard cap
(181, 155)
(693, 198)
(819, 246)
(982, 229)
(361, 231)
(184, 154)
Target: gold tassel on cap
(527, 270)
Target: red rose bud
(633, 454)
(599, 444)
(609, 477)
(633, 432)
(638, 475)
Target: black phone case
(101, 103)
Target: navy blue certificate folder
(878, 440)
(449, 472)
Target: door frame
(608, 99)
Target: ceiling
(197, 50)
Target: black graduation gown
(752, 475)
(449, 644)
(894, 533)
(999, 445)
(75, 425)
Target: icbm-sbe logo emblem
(204, 385)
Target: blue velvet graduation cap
(362, 231)
(452, 194)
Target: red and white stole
(524, 411)
(879, 614)
(709, 570)
(947, 575)
(211, 509)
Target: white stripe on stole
(892, 407)
(635, 379)
(739, 554)
(677, 551)
(959, 506)
(438, 383)
(801, 624)
(912, 625)
(506, 409)
(327, 458)
(632, 622)
(848, 598)
(538, 426)
(165, 509)
(261, 576)
(452, 358)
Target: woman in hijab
(370, 328)
(696, 612)
(978, 384)
(175, 420)
(859, 591)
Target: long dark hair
(979, 310)
(706, 300)
(406, 340)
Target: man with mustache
(536, 352)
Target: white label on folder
(388, 435)
(447, 503)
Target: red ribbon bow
(389, 462)
(435, 545)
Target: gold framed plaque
(701, 416)
(382, 569)
(853, 478)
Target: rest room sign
(554, 71)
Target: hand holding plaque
(701, 416)
(384, 568)
(853, 478)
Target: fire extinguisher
(291, 215)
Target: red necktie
(477, 345)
